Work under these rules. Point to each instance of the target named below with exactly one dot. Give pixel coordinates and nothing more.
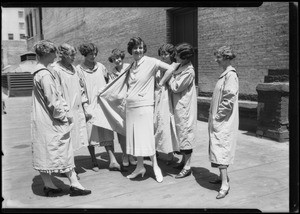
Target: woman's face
(91, 56)
(70, 57)
(178, 59)
(118, 61)
(138, 52)
(219, 59)
(165, 57)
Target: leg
(122, 142)
(140, 169)
(224, 190)
(46, 177)
(156, 169)
(186, 171)
(93, 156)
(113, 163)
(76, 188)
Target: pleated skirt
(140, 131)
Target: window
(22, 36)
(22, 25)
(21, 14)
(10, 36)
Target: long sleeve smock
(224, 118)
(52, 149)
(75, 97)
(184, 100)
(94, 81)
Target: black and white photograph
(144, 107)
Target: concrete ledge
(247, 112)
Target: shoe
(222, 193)
(114, 167)
(179, 166)
(74, 191)
(184, 173)
(95, 167)
(158, 176)
(136, 172)
(132, 161)
(48, 191)
(218, 181)
(125, 160)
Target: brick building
(258, 35)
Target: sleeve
(181, 82)
(229, 96)
(54, 102)
(83, 90)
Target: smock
(223, 119)
(184, 101)
(52, 150)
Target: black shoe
(184, 173)
(48, 191)
(74, 191)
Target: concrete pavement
(259, 178)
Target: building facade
(258, 35)
(13, 34)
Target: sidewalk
(259, 178)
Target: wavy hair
(134, 41)
(87, 48)
(226, 52)
(167, 48)
(116, 53)
(184, 51)
(44, 47)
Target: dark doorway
(184, 28)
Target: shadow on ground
(203, 176)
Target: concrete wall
(12, 51)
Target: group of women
(159, 108)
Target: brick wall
(108, 28)
(259, 37)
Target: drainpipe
(41, 23)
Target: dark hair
(184, 51)
(134, 41)
(87, 48)
(44, 47)
(116, 53)
(167, 48)
(226, 52)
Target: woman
(51, 123)
(164, 126)
(93, 76)
(140, 140)
(117, 57)
(184, 99)
(223, 120)
(72, 93)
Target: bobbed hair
(66, 50)
(134, 41)
(184, 51)
(44, 47)
(226, 52)
(167, 48)
(116, 53)
(87, 48)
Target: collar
(56, 64)
(180, 68)
(39, 66)
(140, 61)
(229, 68)
(86, 69)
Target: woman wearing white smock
(93, 76)
(52, 121)
(72, 93)
(223, 120)
(117, 57)
(140, 140)
(164, 125)
(184, 99)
